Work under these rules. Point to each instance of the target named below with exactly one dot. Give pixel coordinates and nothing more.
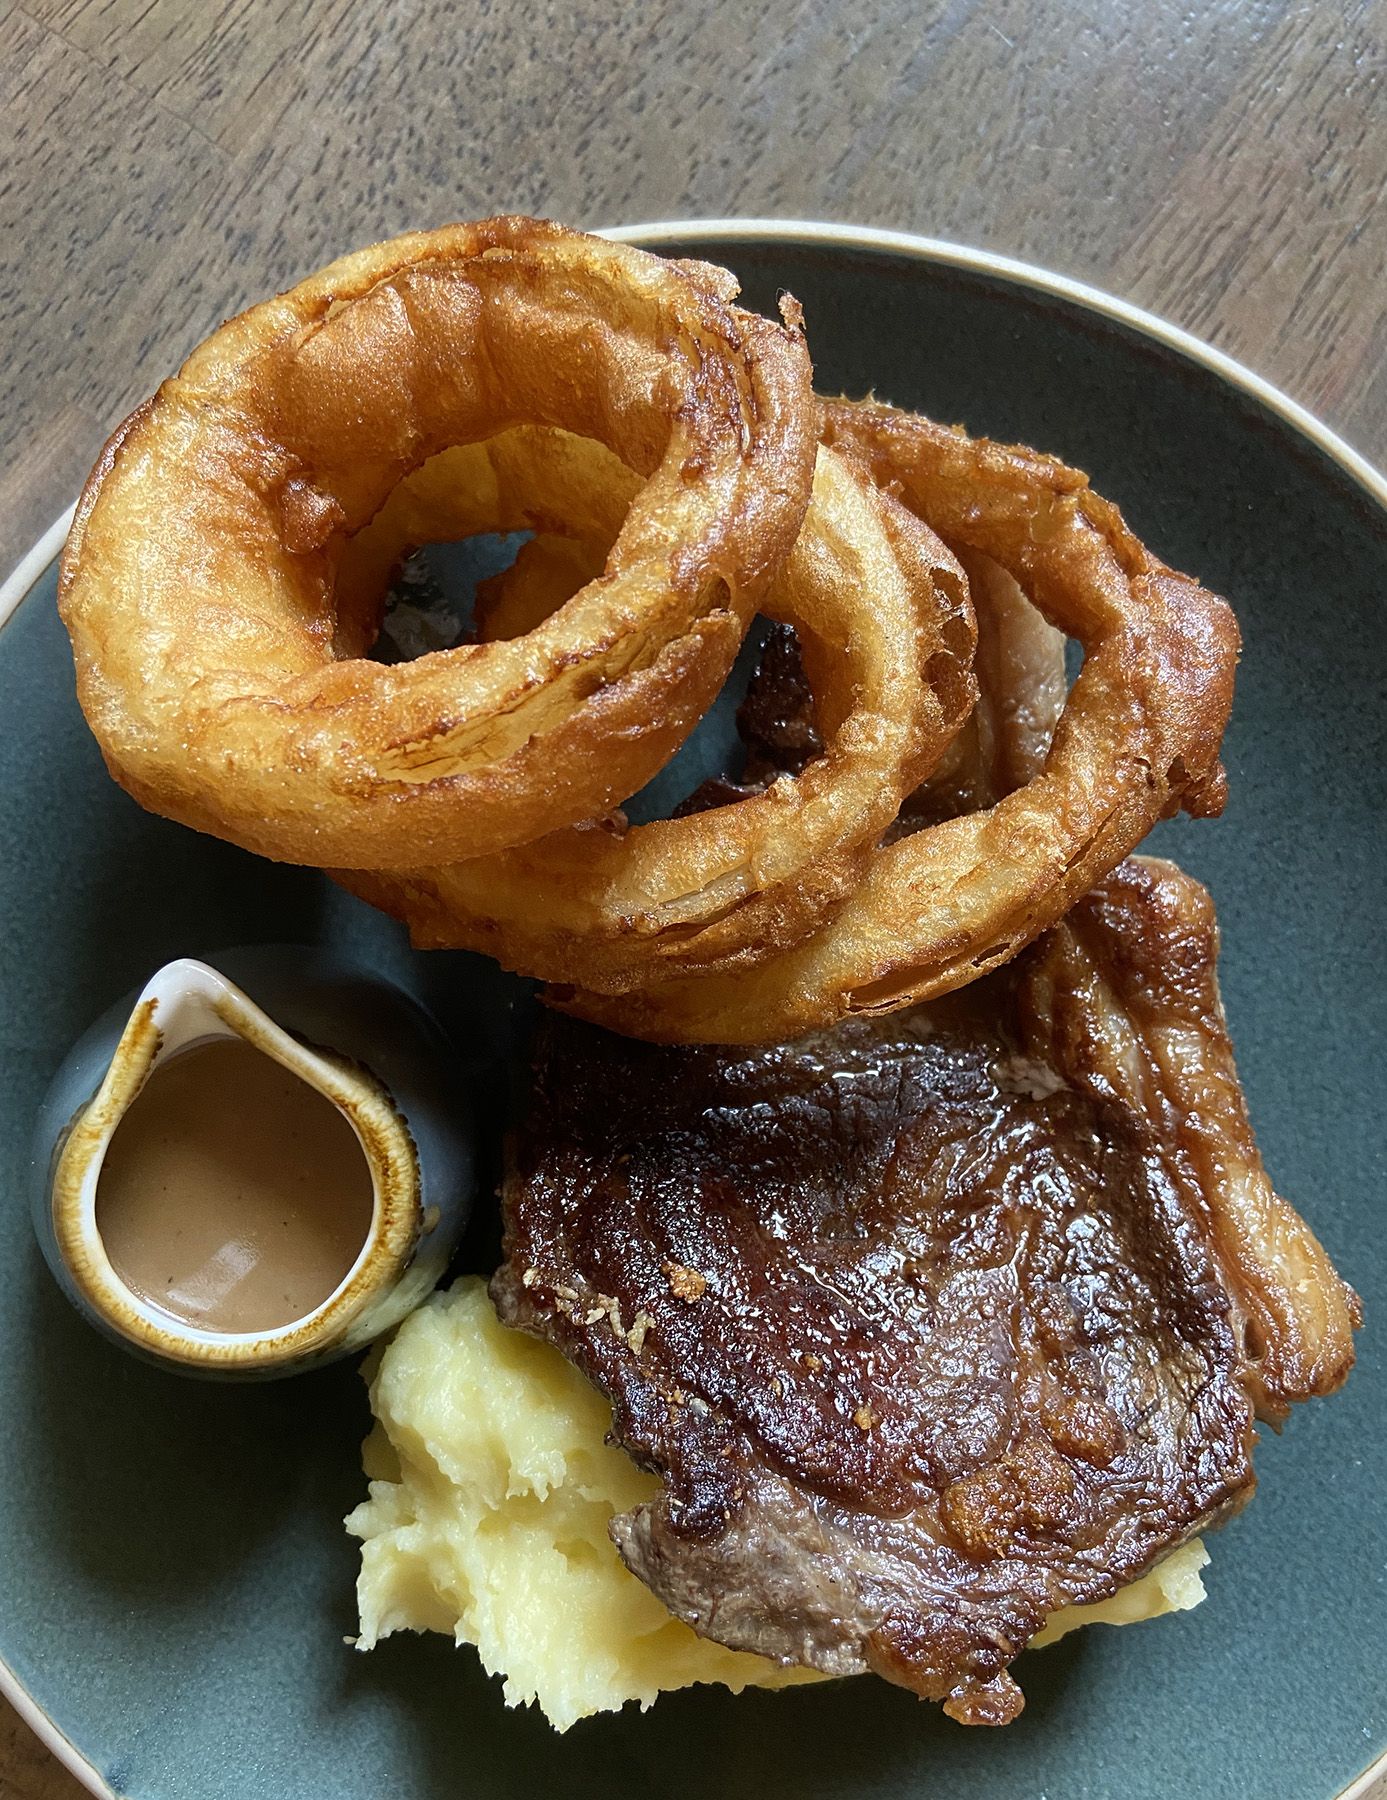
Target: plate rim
(940, 253)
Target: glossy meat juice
(233, 1195)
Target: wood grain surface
(163, 162)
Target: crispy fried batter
(887, 631)
(1138, 738)
(197, 583)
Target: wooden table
(162, 162)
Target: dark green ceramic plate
(174, 1582)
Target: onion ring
(197, 581)
(1138, 738)
(528, 478)
(547, 571)
(887, 634)
(1022, 687)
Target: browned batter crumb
(686, 1284)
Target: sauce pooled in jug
(233, 1195)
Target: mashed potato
(491, 1488)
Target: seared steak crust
(927, 1333)
(933, 1324)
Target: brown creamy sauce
(233, 1195)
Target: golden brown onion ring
(1019, 665)
(547, 571)
(197, 584)
(530, 477)
(886, 631)
(1138, 738)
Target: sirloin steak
(936, 1323)
(939, 1322)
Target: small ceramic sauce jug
(365, 1046)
